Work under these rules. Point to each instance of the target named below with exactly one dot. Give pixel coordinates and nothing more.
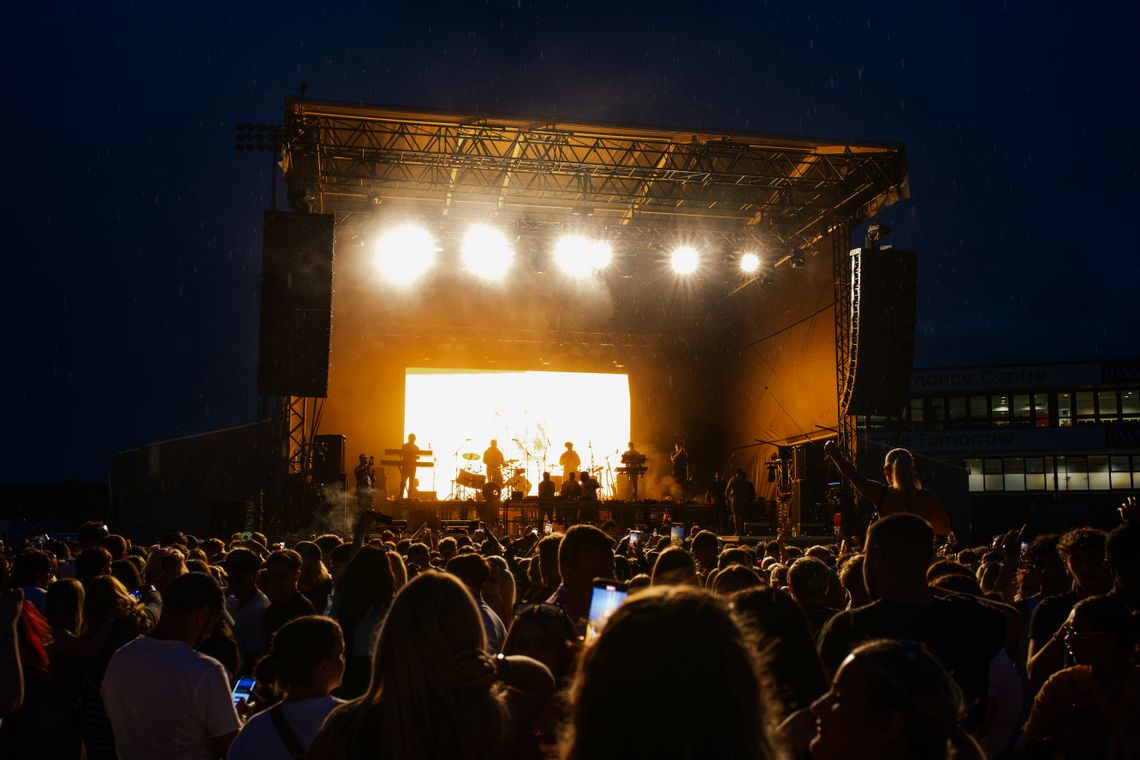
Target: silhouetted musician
(493, 459)
(633, 466)
(409, 458)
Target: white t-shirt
(166, 700)
(259, 739)
(249, 622)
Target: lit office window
(979, 406)
(957, 406)
(1121, 475)
(1073, 473)
(1098, 473)
(993, 476)
(916, 411)
(1022, 410)
(1014, 474)
(938, 409)
(1035, 475)
(1130, 405)
(974, 468)
(1064, 409)
(999, 410)
(1106, 400)
(1086, 412)
(1136, 470)
(1041, 409)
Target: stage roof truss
(351, 158)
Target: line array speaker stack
(876, 379)
(296, 305)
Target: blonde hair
(416, 705)
(501, 585)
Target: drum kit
(476, 484)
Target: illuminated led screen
(531, 415)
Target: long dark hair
(365, 583)
(707, 689)
(784, 636)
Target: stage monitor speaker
(328, 459)
(296, 305)
(876, 379)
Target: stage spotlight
(685, 260)
(579, 256)
(405, 253)
(749, 263)
(487, 253)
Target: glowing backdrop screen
(459, 411)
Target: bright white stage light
(685, 260)
(749, 263)
(405, 253)
(579, 256)
(487, 253)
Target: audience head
(1100, 632)
(892, 699)
(192, 606)
(674, 566)
(584, 554)
(899, 470)
(282, 571)
(116, 545)
(92, 561)
(721, 688)
(32, 567)
(782, 633)
(899, 549)
(106, 598)
(308, 653)
(1084, 554)
(419, 700)
(366, 583)
(736, 578)
(705, 549)
(472, 570)
(545, 633)
(851, 576)
(163, 565)
(64, 606)
(91, 533)
(1123, 554)
(809, 580)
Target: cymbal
(470, 456)
(510, 461)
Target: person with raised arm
(901, 493)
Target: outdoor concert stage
(701, 278)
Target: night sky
(134, 227)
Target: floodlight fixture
(487, 253)
(749, 263)
(580, 256)
(405, 253)
(685, 259)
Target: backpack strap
(296, 750)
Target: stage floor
(520, 515)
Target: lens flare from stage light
(531, 415)
(579, 256)
(750, 263)
(487, 253)
(405, 253)
(685, 259)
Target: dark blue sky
(134, 226)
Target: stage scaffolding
(789, 194)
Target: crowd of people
(469, 644)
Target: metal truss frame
(301, 418)
(340, 158)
